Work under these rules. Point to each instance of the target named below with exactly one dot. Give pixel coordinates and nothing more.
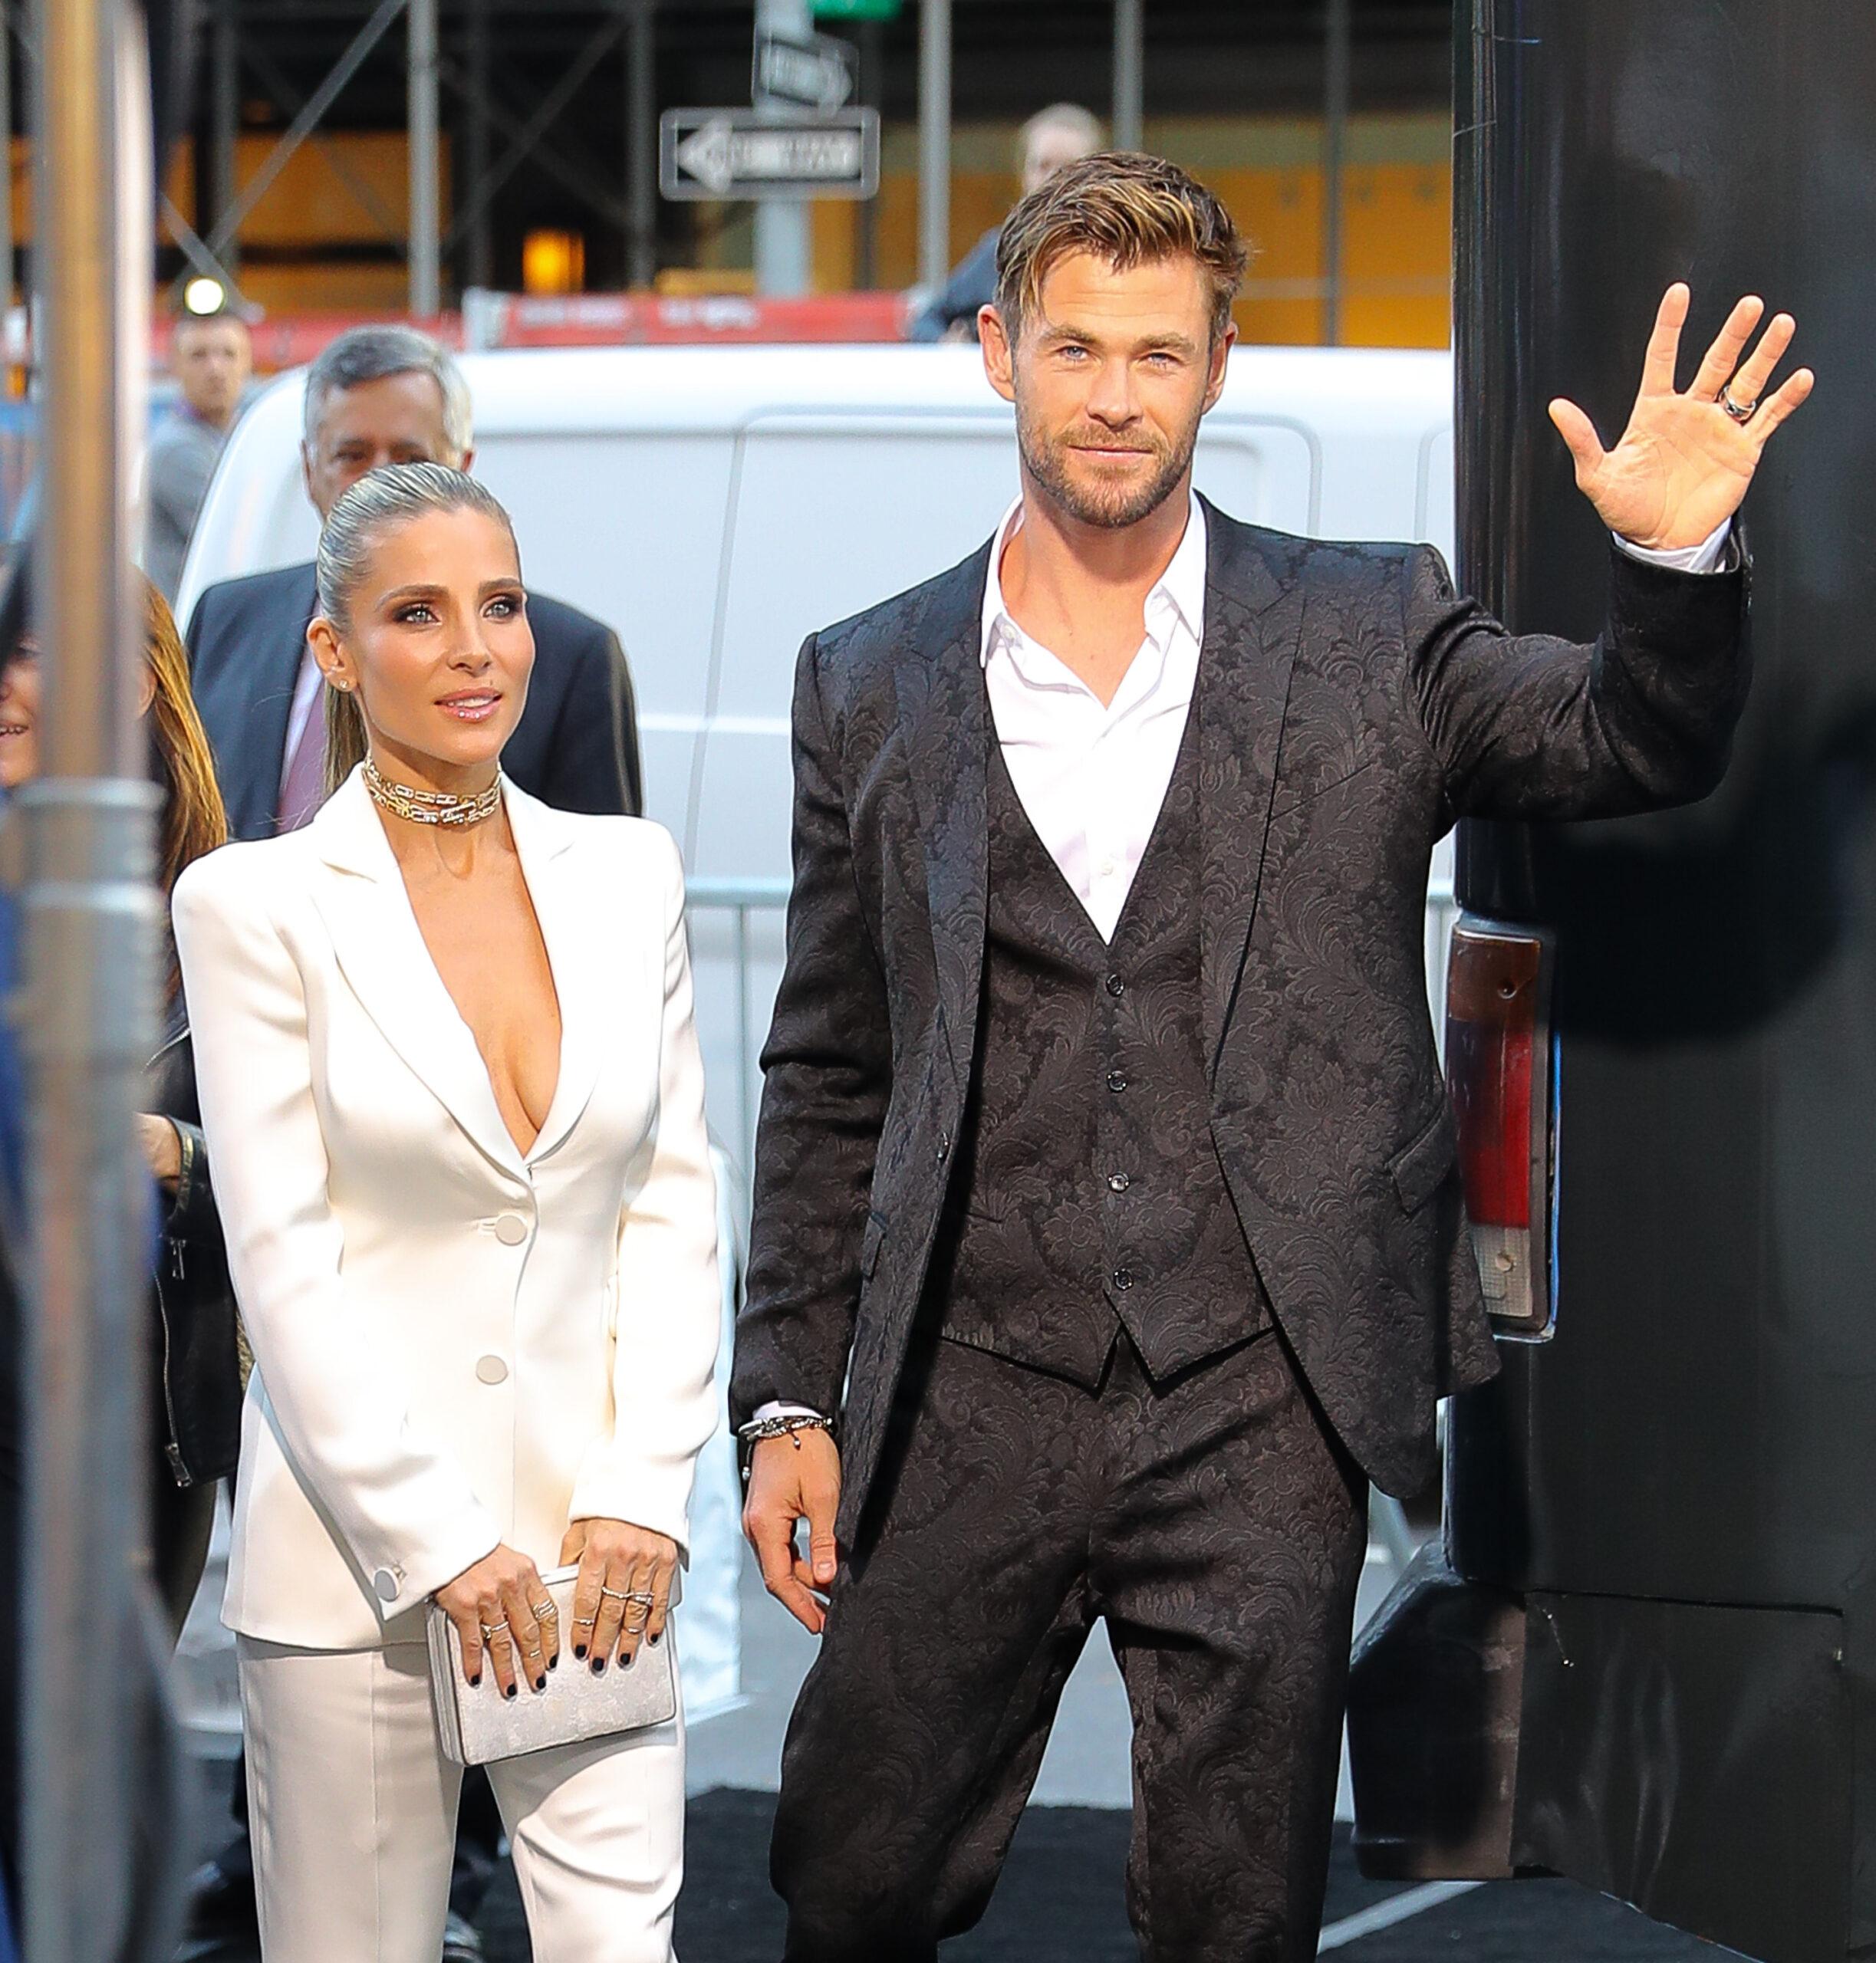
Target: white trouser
(352, 1807)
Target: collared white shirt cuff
(775, 1408)
(1714, 554)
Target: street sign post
(817, 73)
(742, 153)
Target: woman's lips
(476, 707)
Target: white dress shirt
(1092, 776)
(306, 686)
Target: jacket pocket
(1422, 1166)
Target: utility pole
(426, 217)
(90, 921)
(1129, 72)
(934, 142)
(783, 262)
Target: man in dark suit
(1105, 1186)
(376, 396)
(379, 396)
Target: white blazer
(456, 1343)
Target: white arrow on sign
(722, 157)
(813, 74)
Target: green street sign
(858, 10)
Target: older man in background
(378, 395)
(1052, 140)
(213, 359)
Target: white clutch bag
(479, 1725)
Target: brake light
(1498, 1075)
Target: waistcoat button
(1116, 986)
(1123, 1278)
(1116, 1079)
(511, 1229)
(491, 1369)
(1119, 1182)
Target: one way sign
(741, 153)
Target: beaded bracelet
(788, 1425)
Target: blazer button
(511, 1229)
(944, 1147)
(1116, 1080)
(1123, 1279)
(491, 1369)
(385, 1583)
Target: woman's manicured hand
(624, 1591)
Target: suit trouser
(352, 1805)
(1219, 1529)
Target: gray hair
(369, 354)
(1080, 123)
(380, 502)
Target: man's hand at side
(1683, 464)
(794, 1478)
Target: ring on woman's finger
(643, 1595)
(615, 1594)
(491, 1630)
(541, 1611)
(584, 1621)
(530, 1649)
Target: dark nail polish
(599, 1666)
(656, 1639)
(510, 1691)
(474, 1683)
(579, 1650)
(553, 1662)
(625, 1661)
(540, 1682)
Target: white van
(717, 505)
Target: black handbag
(200, 1358)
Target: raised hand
(1683, 465)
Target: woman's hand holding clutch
(503, 1612)
(624, 1591)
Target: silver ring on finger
(543, 1611)
(615, 1594)
(584, 1621)
(643, 1595)
(1740, 412)
(491, 1630)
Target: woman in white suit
(450, 1081)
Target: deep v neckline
(525, 1153)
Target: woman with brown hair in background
(195, 1391)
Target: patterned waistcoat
(1089, 1197)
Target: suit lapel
(1253, 624)
(572, 926)
(945, 714)
(381, 952)
(263, 748)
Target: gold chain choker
(430, 808)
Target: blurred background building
(1326, 124)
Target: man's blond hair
(1128, 209)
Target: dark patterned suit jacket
(1350, 709)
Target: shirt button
(384, 1585)
(1118, 1182)
(491, 1369)
(1116, 986)
(511, 1229)
(1116, 1079)
(1123, 1279)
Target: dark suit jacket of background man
(576, 746)
(1350, 709)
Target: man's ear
(1221, 356)
(468, 460)
(306, 474)
(999, 357)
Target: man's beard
(1113, 507)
